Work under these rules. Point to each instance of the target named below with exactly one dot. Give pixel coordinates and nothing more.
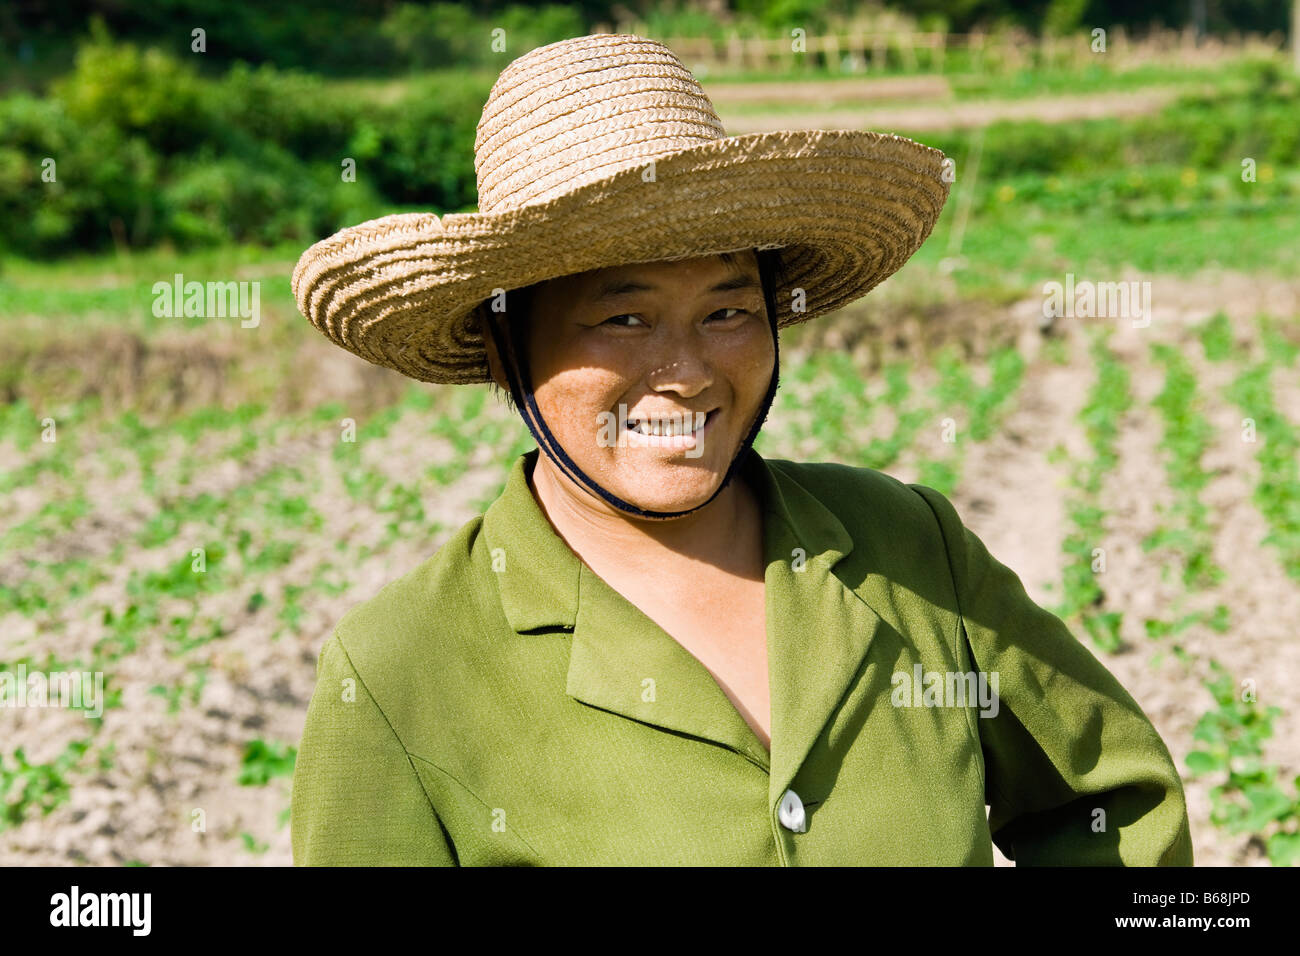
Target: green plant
(1107, 400)
(1249, 798)
(263, 761)
(1187, 436)
(251, 844)
(25, 786)
(1277, 493)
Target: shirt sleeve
(357, 799)
(1075, 773)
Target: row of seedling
(1106, 403)
(1250, 797)
(980, 409)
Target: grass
(1095, 77)
(1017, 249)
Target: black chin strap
(521, 390)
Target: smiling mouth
(688, 425)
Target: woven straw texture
(602, 151)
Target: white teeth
(666, 427)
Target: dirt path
(826, 92)
(938, 116)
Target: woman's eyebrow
(617, 287)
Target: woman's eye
(726, 317)
(625, 320)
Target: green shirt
(502, 705)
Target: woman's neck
(725, 535)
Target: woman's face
(620, 354)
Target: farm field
(189, 506)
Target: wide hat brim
(848, 208)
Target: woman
(657, 647)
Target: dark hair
(771, 274)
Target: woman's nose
(688, 376)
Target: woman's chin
(654, 481)
(679, 496)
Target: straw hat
(604, 150)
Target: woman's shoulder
(906, 529)
(834, 474)
(415, 619)
(859, 493)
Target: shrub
(421, 150)
(444, 35)
(147, 93)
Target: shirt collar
(541, 589)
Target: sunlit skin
(674, 349)
(679, 345)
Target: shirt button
(791, 813)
